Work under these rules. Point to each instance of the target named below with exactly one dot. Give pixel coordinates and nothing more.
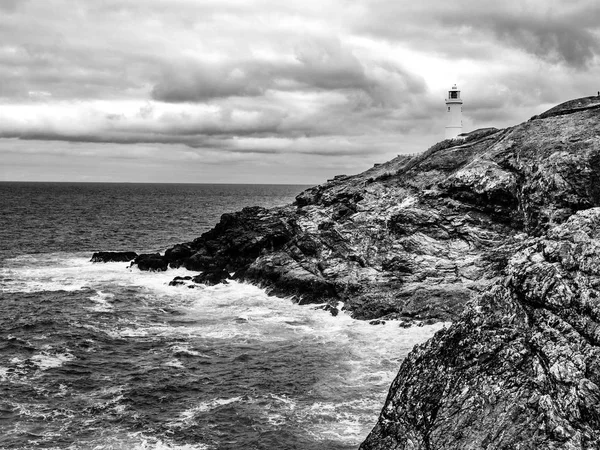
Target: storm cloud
(298, 92)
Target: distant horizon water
(157, 182)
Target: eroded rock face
(503, 220)
(521, 369)
(415, 238)
(239, 238)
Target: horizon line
(155, 182)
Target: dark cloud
(319, 65)
(197, 82)
(551, 30)
(326, 64)
(330, 146)
(553, 39)
(192, 141)
(233, 79)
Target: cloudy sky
(271, 91)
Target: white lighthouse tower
(454, 113)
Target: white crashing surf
(123, 440)
(103, 301)
(73, 272)
(341, 406)
(45, 361)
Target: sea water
(103, 356)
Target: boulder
(176, 255)
(153, 262)
(179, 281)
(212, 277)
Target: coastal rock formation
(497, 231)
(113, 256)
(521, 369)
(151, 261)
(416, 237)
(211, 278)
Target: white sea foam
(45, 361)
(367, 357)
(183, 350)
(175, 363)
(40, 411)
(69, 272)
(157, 444)
(189, 414)
(160, 445)
(232, 311)
(133, 332)
(123, 440)
(346, 422)
(102, 300)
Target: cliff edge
(520, 368)
(417, 237)
(498, 231)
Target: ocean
(103, 356)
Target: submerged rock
(113, 256)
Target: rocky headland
(417, 237)
(496, 231)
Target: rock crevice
(520, 368)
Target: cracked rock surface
(497, 231)
(417, 237)
(521, 369)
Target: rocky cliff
(521, 369)
(417, 237)
(498, 231)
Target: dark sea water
(102, 356)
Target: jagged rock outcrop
(113, 256)
(153, 262)
(176, 254)
(505, 221)
(521, 369)
(211, 278)
(416, 237)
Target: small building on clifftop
(454, 113)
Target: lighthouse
(454, 113)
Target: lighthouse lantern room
(454, 113)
